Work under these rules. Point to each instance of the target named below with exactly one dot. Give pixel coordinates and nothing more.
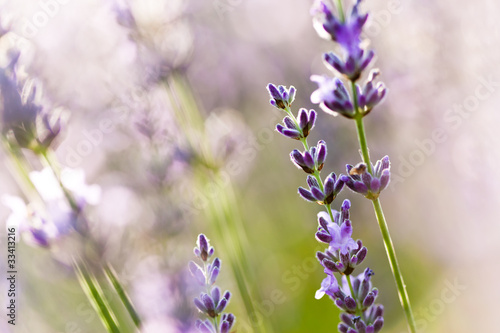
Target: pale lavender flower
(332, 96)
(329, 286)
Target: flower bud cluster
(212, 303)
(360, 180)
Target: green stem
(340, 10)
(96, 297)
(111, 274)
(389, 247)
(396, 271)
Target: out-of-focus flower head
(347, 32)
(24, 121)
(44, 223)
(332, 96)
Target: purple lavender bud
(378, 324)
(303, 118)
(340, 303)
(209, 305)
(361, 255)
(370, 329)
(204, 326)
(312, 119)
(227, 295)
(222, 305)
(384, 179)
(289, 133)
(379, 311)
(203, 245)
(346, 319)
(351, 330)
(327, 263)
(306, 195)
(289, 123)
(330, 183)
(197, 272)
(200, 305)
(332, 96)
(321, 153)
(317, 193)
(343, 328)
(213, 275)
(323, 222)
(280, 96)
(350, 303)
(227, 322)
(361, 326)
(323, 237)
(367, 179)
(216, 295)
(386, 164)
(309, 160)
(375, 185)
(369, 300)
(321, 256)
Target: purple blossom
(310, 160)
(332, 96)
(356, 61)
(346, 33)
(281, 97)
(203, 250)
(329, 286)
(325, 196)
(361, 181)
(213, 304)
(343, 253)
(370, 95)
(337, 236)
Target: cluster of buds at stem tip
(325, 196)
(281, 97)
(298, 129)
(360, 180)
(213, 302)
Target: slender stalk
(96, 297)
(113, 279)
(389, 247)
(341, 10)
(398, 276)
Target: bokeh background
(183, 87)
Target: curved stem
(389, 247)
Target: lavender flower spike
(212, 303)
(369, 185)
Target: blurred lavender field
(162, 105)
